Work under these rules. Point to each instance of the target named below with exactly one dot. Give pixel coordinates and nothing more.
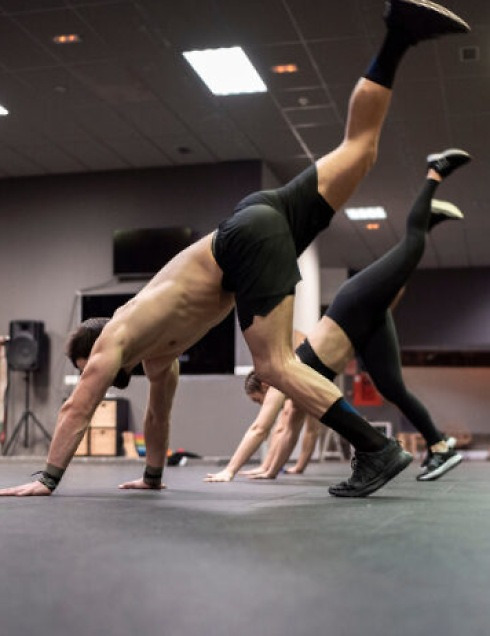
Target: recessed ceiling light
(67, 38)
(366, 214)
(3, 111)
(281, 69)
(226, 71)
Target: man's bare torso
(175, 309)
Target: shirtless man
(359, 321)
(249, 260)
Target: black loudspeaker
(24, 348)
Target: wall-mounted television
(213, 354)
(142, 252)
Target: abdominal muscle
(177, 307)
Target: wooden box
(105, 415)
(103, 441)
(83, 446)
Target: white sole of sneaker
(446, 208)
(435, 474)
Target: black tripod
(24, 419)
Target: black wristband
(51, 476)
(153, 476)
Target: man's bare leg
(269, 341)
(342, 170)
(408, 23)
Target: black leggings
(361, 308)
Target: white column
(308, 295)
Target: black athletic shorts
(257, 248)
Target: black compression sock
(383, 67)
(348, 423)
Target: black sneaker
(371, 471)
(422, 20)
(445, 162)
(451, 443)
(440, 463)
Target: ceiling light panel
(366, 213)
(226, 71)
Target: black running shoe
(445, 162)
(371, 471)
(440, 463)
(451, 443)
(422, 20)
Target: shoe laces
(354, 464)
(361, 468)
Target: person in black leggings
(360, 319)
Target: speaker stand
(24, 420)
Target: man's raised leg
(408, 23)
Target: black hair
(81, 341)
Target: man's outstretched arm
(163, 384)
(73, 420)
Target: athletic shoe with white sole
(439, 464)
(422, 20)
(448, 160)
(371, 471)
(451, 444)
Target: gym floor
(248, 558)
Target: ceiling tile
(99, 156)
(52, 158)
(123, 27)
(311, 116)
(332, 19)
(14, 163)
(18, 50)
(299, 97)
